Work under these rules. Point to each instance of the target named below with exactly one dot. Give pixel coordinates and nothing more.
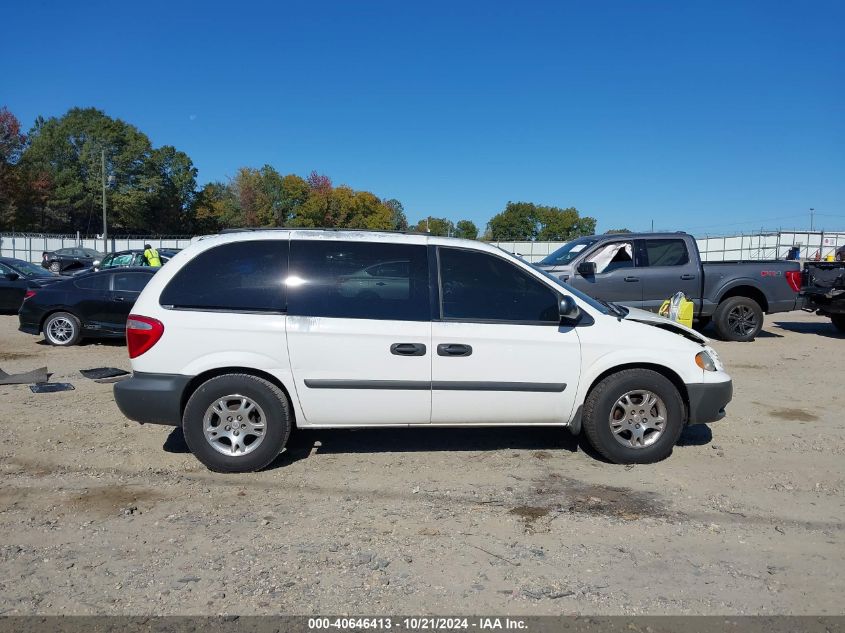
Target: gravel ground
(100, 515)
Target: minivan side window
(358, 280)
(244, 276)
(480, 286)
(666, 252)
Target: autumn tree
(12, 143)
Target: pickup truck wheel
(634, 416)
(838, 321)
(236, 423)
(738, 319)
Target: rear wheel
(738, 319)
(838, 321)
(62, 329)
(237, 423)
(634, 416)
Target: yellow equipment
(678, 308)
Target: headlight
(703, 360)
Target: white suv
(245, 334)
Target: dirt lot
(102, 515)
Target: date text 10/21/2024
(416, 623)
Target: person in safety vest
(151, 255)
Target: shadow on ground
(393, 440)
(820, 328)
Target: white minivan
(244, 334)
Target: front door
(359, 331)
(667, 269)
(617, 274)
(500, 353)
(12, 289)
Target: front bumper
(152, 398)
(707, 401)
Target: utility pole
(812, 210)
(105, 228)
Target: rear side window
(94, 282)
(666, 252)
(239, 277)
(130, 282)
(480, 286)
(358, 280)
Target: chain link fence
(30, 246)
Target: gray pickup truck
(642, 270)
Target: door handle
(454, 349)
(380, 283)
(687, 277)
(632, 278)
(119, 298)
(407, 349)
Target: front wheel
(55, 267)
(62, 329)
(738, 319)
(838, 321)
(634, 416)
(236, 423)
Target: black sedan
(69, 259)
(88, 305)
(16, 278)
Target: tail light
(142, 333)
(793, 278)
(28, 295)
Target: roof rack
(306, 228)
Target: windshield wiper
(615, 309)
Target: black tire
(55, 267)
(271, 401)
(62, 329)
(738, 319)
(838, 321)
(602, 401)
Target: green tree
(399, 221)
(618, 231)
(148, 188)
(436, 226)
(523, 221)
(466, 229)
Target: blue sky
(705, 116)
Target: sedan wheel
(55, 267)
(62, 329)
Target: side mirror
(587, 268)
(95, 263)
(569, 310)
(12, 276)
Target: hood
(650, 318)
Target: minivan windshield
(566, 253)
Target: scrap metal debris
(36, 375)
(98, 373)
(51, 387)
